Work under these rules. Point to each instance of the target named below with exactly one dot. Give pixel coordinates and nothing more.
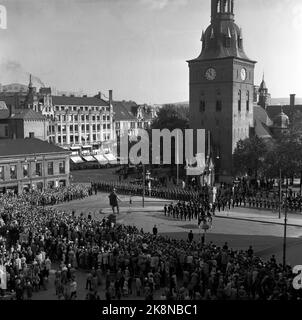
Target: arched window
(247, 101)
(239, 101)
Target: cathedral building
(222, 86)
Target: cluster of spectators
(129, 261)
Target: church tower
(222, 86)
(264, 96)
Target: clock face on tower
(243, 74)
(210, 74)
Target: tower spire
(30, 82)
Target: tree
(172, 117)
(249, 156)
(287, 152)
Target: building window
(71, 139)
(239, 101)
(39, 169)
(108, 126)
(98, 127)
(25, 171)
(202, 106)
(93, 127)
(93, 118)
(59, 139)
(218, 105)
(94, 137)
(13, 172)
(87, 117)
(71, 128)
(5, 131)
(227, 42)
(82, 117)
(76, 139)
(83, 127)
(239, 43)
(87, 127)
(98, 118)
(76, 118)
(1, 173)
(64, 129)
(63, 118)
(64, 139)
(50, 184)
(104, 126)
(59, 128)
(108, 118)
(50, 168)
(76, 128)
(62, 167)
(247, 101)
(62, 183)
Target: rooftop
(28, 146)
(122, 112)
(78, 101)
(27, 114)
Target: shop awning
(100, 159)
(76, 159)
(89, 158)
(110, 157)
(75, 148)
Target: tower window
(239, 101)
(202, 106)
(247, 101)
(239, 43)
(227, 42)
(218, 105)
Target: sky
(139, 48)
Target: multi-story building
(129, 116)
(32, 163)
(85, 125)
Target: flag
(3, 281)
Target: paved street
(240, 227)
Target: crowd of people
(125, 260)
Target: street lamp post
(280, 194)
(285, 227)
(144, 181)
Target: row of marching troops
(198, 210)
(220, 199)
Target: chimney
(110, 97)
(292, 100)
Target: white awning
(101, 159)
(75, 148)
(87, 146)
(110, 157)
(89, 158)
(76, 159)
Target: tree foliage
(249, 156)
(255, 156)
(172, 117)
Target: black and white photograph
(150, 153)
